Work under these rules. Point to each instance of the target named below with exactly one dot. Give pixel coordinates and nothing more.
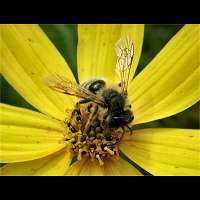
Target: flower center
(89, 135)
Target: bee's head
(121, 119)
(116, 102)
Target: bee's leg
(105, 118)
(111, 144)
(123, 129)
(92, 115)
(126, 127)
(129, 129)
(77, 107)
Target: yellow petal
(120, 168)
(15, 116)
(55, 164)
(170, 83)
(27, 135)
(27, 57)
(96, 54)
(164, 151)
(78, 167)
(111, 167)
(24, 143)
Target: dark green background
(65, 39)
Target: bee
(102, 109)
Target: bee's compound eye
(96, 85)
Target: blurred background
(64, 38)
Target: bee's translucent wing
(125, 51)
(61, 84)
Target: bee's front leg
(129, 129)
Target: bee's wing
(125, 51)
(61, 84)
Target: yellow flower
(33, 143)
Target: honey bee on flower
(99, 120)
